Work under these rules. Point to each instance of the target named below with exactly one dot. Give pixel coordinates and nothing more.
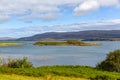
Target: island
(65, 43)
(3, 44)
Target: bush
(18, 63)
(104, 77)
(111, 63)
(75, 42)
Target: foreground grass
(10, 44)
(69, 72)
(48, 77)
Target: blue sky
(20, 18)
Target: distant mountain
(84, 35)
(6, 38)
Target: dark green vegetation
(112, 62)
(67, 43)
(17, 63)
(91, 35)
(49, 43)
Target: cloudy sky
(19, 18)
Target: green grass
(64, 71)
(50, 43)
(9, 44)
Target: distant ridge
(6, 38)
(84, 35)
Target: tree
(111, 63)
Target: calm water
(59, 55)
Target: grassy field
(61, 72)
(10, 44)
(48, 77)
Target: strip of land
(10, 44)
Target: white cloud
(4, 18)
(43, 16)
(48, 9)
(36, 9)
(85, 7)
(109, 2)
(92, 5)
(107, 24)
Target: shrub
(75, 42)
(104, 77)
(18, 63)
(111, 63)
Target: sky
(21, 18)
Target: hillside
(84, 35)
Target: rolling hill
(83, 35)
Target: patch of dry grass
(10, 44)
(48, 77)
